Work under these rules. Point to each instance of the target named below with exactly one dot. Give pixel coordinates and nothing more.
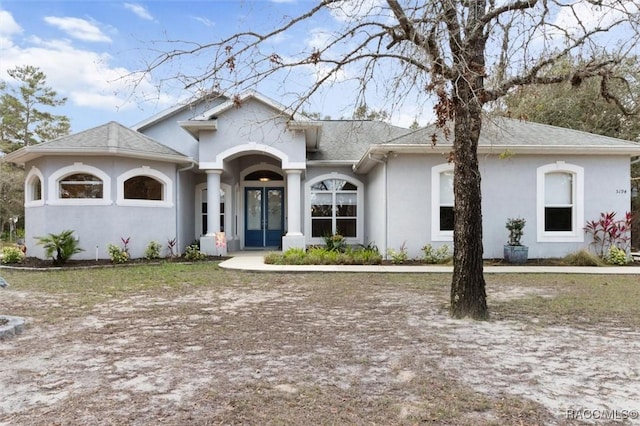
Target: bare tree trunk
(468, 294)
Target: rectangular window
(446, 201)
(558, 202)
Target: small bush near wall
(153, 250)
(193, 253)
(12, 255)
(582, 258)
(436, 256)
(60, 247)
(117, 254)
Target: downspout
(385, 199)
(184, 169)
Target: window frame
(78, 168)
(167, 188)
(577, 196)
(358, 239)
(438, 234)
(29, 201)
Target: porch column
(294, 237)
(208, 244)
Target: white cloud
(88, 78)
(139, 10)
(572, 17)
(8, 26)
(348, 10)
(206, 22)
(80, 29)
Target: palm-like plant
(63, 245)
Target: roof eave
(365, 164)
(195, 126)
(27, 155)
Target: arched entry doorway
(263, 209)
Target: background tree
(579, 107)
(24, 120)
(466, 53)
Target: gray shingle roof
(109, 139)
(350, 139)
(506, 132)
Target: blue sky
(86, 47)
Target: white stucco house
(269, 178)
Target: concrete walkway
(254, 261)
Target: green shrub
(367, 257)
(153, 250)
(398, 257)
(117, 254)
(617, 256)
(193, 253)
(12, 255)
(324, 256)
(582, 258)
(335, 242)
(294, 256)
(60, 247)
(436, 256)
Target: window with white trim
(334, 206)
(442, 202)
(33, 189)
(79, 184)
(144, 187)
(560, 202)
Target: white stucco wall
(108, 222)
(252, 124)
(374, 200)
(169, 133)
(509, 190)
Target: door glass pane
(274, 212)
(254, 209)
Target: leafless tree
(464, 53)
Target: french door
(264, 217)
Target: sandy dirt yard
(307, 349)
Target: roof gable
(109, 139)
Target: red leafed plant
(608, 231)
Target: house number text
(621, 191)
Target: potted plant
(514, 251)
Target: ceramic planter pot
(517, 255)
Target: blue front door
(264, 217)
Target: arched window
(334, 207)
(80, 185)
(560, 202)
(33, 188)
(144, 187)
(442, 202)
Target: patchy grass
(571, 299)
(194, 344)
